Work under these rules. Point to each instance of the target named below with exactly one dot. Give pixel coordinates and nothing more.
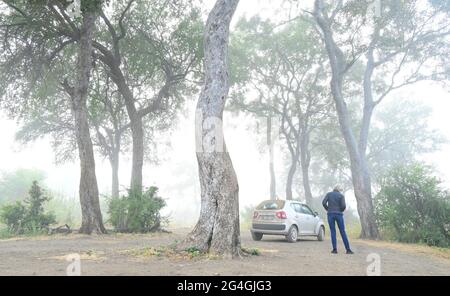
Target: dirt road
(110, 255)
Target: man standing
(334, 203)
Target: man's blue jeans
(338, 218)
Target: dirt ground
(115, 254)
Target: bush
(411, 206)
(13, 215)
(27, 216)
(137, 212)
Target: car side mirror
(316, 214)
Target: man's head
(338, 188)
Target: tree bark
(217, 230)
(305, 160)
(115, 161)
(137, 132)
(295, 155)
(290, 176)
(358, 163)
(271, 164)
(137, 129)
(113, 61)
(89, 197)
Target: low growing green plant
(27, 216)
(137, 212)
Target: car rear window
(271, 205)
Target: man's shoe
(334, 251)
(349, 252)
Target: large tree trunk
(217, 230)
(305, 160)
(358, 163)
(89, 197)
(273, 180)
(137, 129)
(290, 176)
(359, 169)
(115, 160)
(271, 164)
(370, 229)
(137, 133)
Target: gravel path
(109, 255)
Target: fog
(176, 173)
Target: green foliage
(13, 215)
(28, 216)
(193, 251)
(411, 206)
(137, 212)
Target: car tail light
(255, 215)
(281, 215)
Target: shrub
(27, 216)
(411, 206)
(137, 212)
(13, 215)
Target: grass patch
(6, 234)
(172, 253)
(436, 252)
(191, 253)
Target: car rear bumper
(272, 228)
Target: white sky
(251, 167)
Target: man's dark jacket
(334, 202)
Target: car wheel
(321, 234)
(292, 234)
(257, 236)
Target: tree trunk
(358, 163)
(114, 160)
(305, 160)
(137, 132)
(271, 165)
(273, 184)
(217, 230)
(89, 197)
(137, 129)
(359, 170)
(290, 176)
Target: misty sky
(176, 175)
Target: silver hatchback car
(286, 217)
